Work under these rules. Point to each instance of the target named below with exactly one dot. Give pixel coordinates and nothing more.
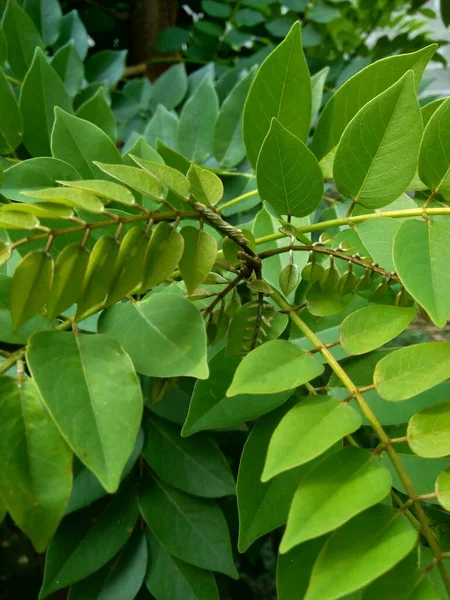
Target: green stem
(237, 200)
(12, 79)
(11, 361)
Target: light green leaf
(74, 198)
(163, 126)
(360, 551)
(97, 110)
(317, 85)
(70, 267)
(294, 569)
(11, 124)
(169, 577)
(443, 489)
(206, 187)
(129, 266)
(141, 149)
(308, 429)
(163, 254)
(101, 435)
(341, 486)
(80, 143)
(377, 154)
(46, 15)
(199, 255)
(434, 158)
(86, 541)
(288, 174)
(173, 158)
(170, 88)
(30, 286)
(165, 176)
(378, 235)
(44, 210)
(422, 472)
(121, 578)
(167, 322)
(69, 66)
(281, 90)
(275, 366)
(112, 192)
(106, 65)
(359, 90)
(197, 120)
(211, 409)
(137, 179)
(17, 220)
(289, 278)
(429, 109)
(408, 371)
(191, 529)
(72, 28)
(36, 462)
(22, 38)
(195, 465)
(228, 143)
(429, 431)
(373, 326)
(420, 250)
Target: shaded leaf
(11, 123)
(22, 38)
(199, 255)
(429, 431)
(96, 110)
(69, 66)
(70, 267)
(106, 65)
(206, 187)
(163, 254)
(434, 158)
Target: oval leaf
(429, 431)
(199, 255)
(434, 158)
(68, 279)
(112, 192)
(163, 254)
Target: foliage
(200, 321)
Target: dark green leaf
(199, 254)
(22, 38)
(129, 265)
(107, 65)
(11, 124)
(294, 568)
(163, 254)
(170, 88)
(434, 161)
(47, 15)
(163, 126)
(96, 110)
(69, 66)
(70, 267)
(72, 28)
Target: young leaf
(17, 220)
(197, 120)
(79, 143)
(107, 65)
(72, 28)
(69, 66)
(195, 465)
(294, 568)
(359, 90)
(288, 174)
(429, 431)
(308, 429)
(86, 541)
(165, 175)
(171, 324)
(434, 158)
(191, 529)
(341, 486)
(163, 126)
(373, 326)
(275, 366)
(170, 88)
(11, 124)
(360, 551)
(36, 462)
(289, 278)
(281, 90)
(317, 84)
(22, 38)
(30, 286)
(206, 187)
(101, 435)
(112, 192)
(377, 155)
(163, 254)
(169, 577)
(211, 409)
(408, 371)
(199, 255)
(97, 110)
(443, 489)
(135, 178)
(129, 265)
(46, 15)
(79, 199)
(70, 267)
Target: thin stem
(237, 200)
(221, 296)
(11, 361)
(12, 79)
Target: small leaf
(69, 197)
(317, 86)
(17, 220)
(69, 66)
(275, 366)
(165, 175)
(230, 249)
(46, 15)
(72, 28)
(206, 187)
(373, 326)
(162, 126)
(163, 254)
(30, 286)
(172, 158)
(434, 161)
(307, 430)
(22, 37)
(137, 179)
(106, 65)
(429, 431)
(43, 210)
(443, 489)
(294, 568)
(112, 192)
(129, 265)
(97, 110)
(199, 255)
(11, 123)
(70, 267)
(170, 88)
(289, 278)
(378, 235)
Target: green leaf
(420, 250)
(168, 577)
(211, 409)
(163, 126)
(191, 529)
(107, 65)
(199, 255)
(167, 322)
(357, 91)
(378, 235)
(36, 462)
(360, 551)
(276, 366)
(22, 38)
(249, 18)
(44, 210)
(289, 278)
(69, 66)
(408, 371)
(341, 486)
(172, 158)
(294, 568)
(377, 154)
(308, 429)
(322, 13)
(137, 179)
(101, 435)
(429, 109)
(41, 91)
(317, 86)
(72, 28)
(422, 472)
(195, 465)
(206, 187)
(281, 90)
(79, 143)
(97, 110)
(30, 286)
(11, 124)
(35, 174)
(98, 276)
(70, 267)
(434, 158)
(3, 47)
(228, 143)
(166, 176)
(197, 120)
(139, 89)
(373, 326)
(170, 88)
(86, 541)
(17, 220)
(443, 489)
(288, 174)
(74, 198)
(129, 266)
(46, 15)
(428, 431)
(112, 192)
(163, 254)
(141, 149)
(121, 578)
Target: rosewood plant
(141, 329)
